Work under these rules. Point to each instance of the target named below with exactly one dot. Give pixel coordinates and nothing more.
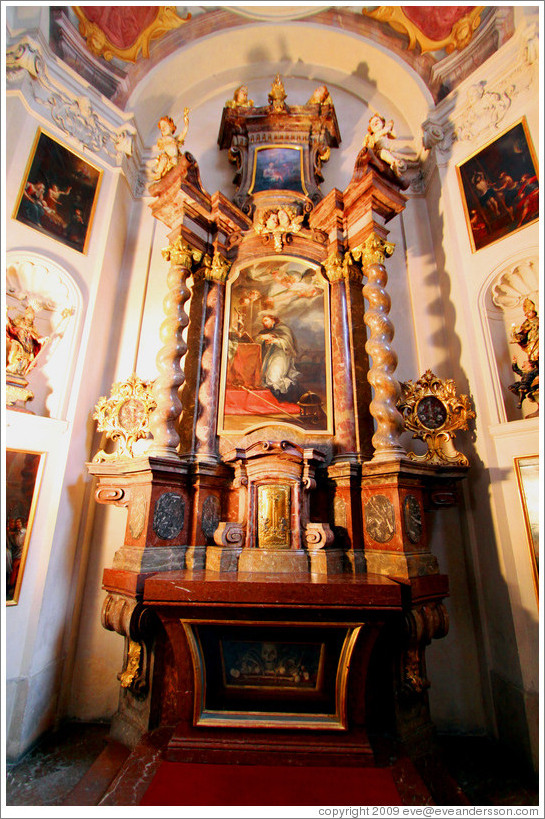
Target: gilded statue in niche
(527, 338)
(23, 342)
(169, 145)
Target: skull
(269, 655)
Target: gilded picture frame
(24, 471)
(527, 472)
(278, 167)
(499, 187)
(276, 359)
(59, 193)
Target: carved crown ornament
(124, 417)
(432, 411)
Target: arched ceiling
(220, 47)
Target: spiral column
(164, 419)
(389, 423)
(215, 273)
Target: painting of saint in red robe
(276, 350)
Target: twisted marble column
(389, 423)
(164, 419)
(215, 274)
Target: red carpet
(177, 783)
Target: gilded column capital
(342, 267)
(216, 269)
(181, 253)
(333, 267)
(373, 251)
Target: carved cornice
(72, 106)
(180, 253)
(480, 110)
(373, 251)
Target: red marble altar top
(270, 590)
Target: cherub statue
(320, 96)
(240, 98)
(23, 342)
(379, 133)
(170, 146)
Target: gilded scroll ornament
(373, 251)
(124, 31)
(124, 416)
(130, 672)
(169, 145)
(432, 28)
(278, 223)
(432, 410)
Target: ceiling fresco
(114, 47)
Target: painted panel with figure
(276, 359)
(23, 473)
(500, 187)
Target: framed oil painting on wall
(527, 472)
(276, 358)
(277, 168)
(500, 187)
(23, 474)
(59, 192)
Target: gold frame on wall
(70, 165)
(489, 162)
(528, 486)
(18, 503)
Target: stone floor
(486, 774)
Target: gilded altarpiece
(278, 596)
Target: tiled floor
(486, 773)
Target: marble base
(403, 566)
(222, 558)
(327, 561)
(278, 561)
(150, 559)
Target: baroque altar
(275, 588)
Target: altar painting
(276, 362)
(278, 169)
